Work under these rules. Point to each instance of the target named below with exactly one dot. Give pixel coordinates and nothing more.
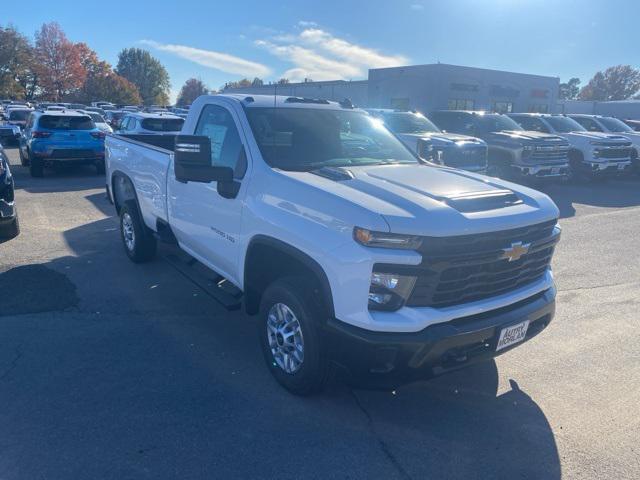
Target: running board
(214, 285)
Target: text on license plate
(513, 334)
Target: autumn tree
(59, 65)
(191, 90)
(615, 83)
(570, 90)
(146, 73)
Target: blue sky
(329, 39)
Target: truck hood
(595, 136)
(523, 137)
(440, 138)
(436, 201)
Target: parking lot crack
(381, 443)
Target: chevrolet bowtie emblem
(515, 251)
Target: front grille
(465, 156)
(467, 268)
(621, 152)
(72, 153)
(549, 154)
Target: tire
(36, 167)
(139, 243)
(305, 372)
(576, 170)
(100, 167)
(24, 161)
(10, 231)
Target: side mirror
(192, 161)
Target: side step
(214, 285)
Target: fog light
(389, 291)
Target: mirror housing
(192, 161)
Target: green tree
(570, 90)
(615, 83)
(146, 73)
(17, 78)
(191, 90)
(244, 83)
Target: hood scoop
(337, 174)
(469, 202)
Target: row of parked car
(520, 146)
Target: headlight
(389, 291)
(527, 150)
(386, 240)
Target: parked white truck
(352, 251)
(594, 155)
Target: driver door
(206, 224)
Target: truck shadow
(613, 194)
(456, 426)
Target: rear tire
(36, 167)
(139, 243)
(24, 160)
(293, 349)
(100, 167)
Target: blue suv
(61, 137)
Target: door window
(588, 123)
(217, 123)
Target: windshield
(565, 124)
(163, 124)
(305, 139)
(60, 122)
(405, 122)
(19, 115)
(615, 125)
(96, 117)
(495, 123)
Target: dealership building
(432, 87)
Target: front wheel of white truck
(290, 338)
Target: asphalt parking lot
(114, 370)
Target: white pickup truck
(352, 251)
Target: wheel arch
(268, 259)
(122, 189)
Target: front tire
(24, 160)
(290, 337)
(139, 243)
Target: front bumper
(608, 167)
(382, 359)
(555, 170)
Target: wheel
(576, 169)
(100, 167)
(36, 167)
(290, 337)
(139, 243)
(24, 160)
(11, 231)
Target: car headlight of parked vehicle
(386, 240)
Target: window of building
(539, 108)
(400, 103)
(503, 107)
(460, 104)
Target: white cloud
(309, 64)
(217, 60)
(348, 51)
(317, 54)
